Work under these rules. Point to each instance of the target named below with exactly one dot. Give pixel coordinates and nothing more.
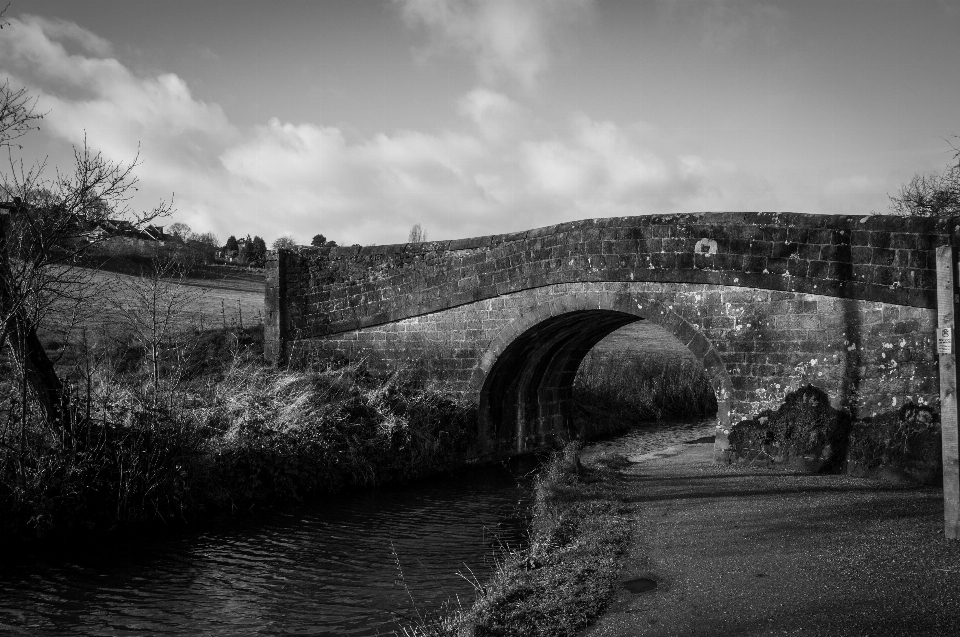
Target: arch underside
(530, 388)
(525, 379)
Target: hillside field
(225, 296)
(212, 297)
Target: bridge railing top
(874, 223)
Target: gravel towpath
(750, 551)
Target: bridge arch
(524, 380)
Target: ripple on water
(324, 570)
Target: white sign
(945, 340)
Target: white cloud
(61, 30)
(504, 38)
(85, 96)
(497, 117)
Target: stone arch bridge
(766, 301)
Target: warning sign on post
(945, 340)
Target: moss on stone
(805, 431)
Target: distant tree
(231, 245)
(180, 231)
(320, 241)
(243, 254)
(207, 238)
(417, 234)
(257, 251)
(284, 243)
(930, 194)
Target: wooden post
(947, 306)
(274, 306)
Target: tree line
(250, 250)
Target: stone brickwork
(875, 258)
(767, 302)
(756, 345)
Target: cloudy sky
(359, 118)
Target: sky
(358, 118)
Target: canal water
(362, 564)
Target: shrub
(132, 467)
(804, 430)
(254, 436)
(907, 441)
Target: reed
(615, 391)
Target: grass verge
(565, 578)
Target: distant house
(233, 256)
(228, 256)
(119, 237)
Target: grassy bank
(568, 573)
(219, 432)
(615, 391)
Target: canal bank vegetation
(569, 571)
(806, 432)
(614, 391)
(199, 424)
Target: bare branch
(931, 194)
(44, 236)
(18, 114)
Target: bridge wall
(756, 345)
(766, 301)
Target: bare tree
(207, 238)
(417, 234)
(930, 194)
(44, 233)
(43, 237)
(153, 306)
(18, 114)
(181, 231)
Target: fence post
(274, 338)
(947, 304)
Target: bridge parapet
(886, 259)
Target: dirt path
(756, 552)
(652, 438)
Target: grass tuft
(566, 576)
